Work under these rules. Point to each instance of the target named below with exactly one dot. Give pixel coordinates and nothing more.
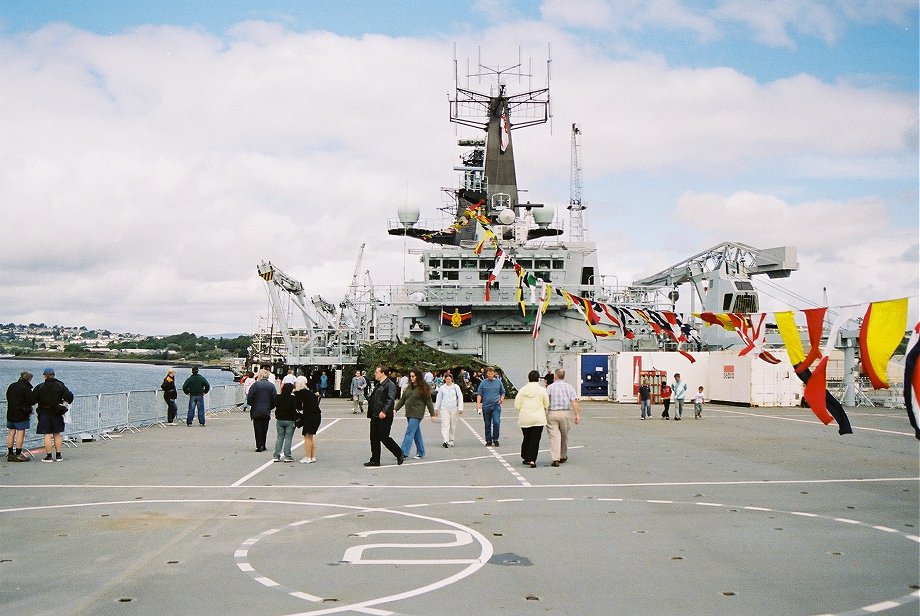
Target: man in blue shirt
(489, 397)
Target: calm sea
(86, 377)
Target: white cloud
(145, 174)
(849, 247)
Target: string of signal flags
(883, 328)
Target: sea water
(89, 378)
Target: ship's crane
(320, 342)
(576, 206)
(721, 279)
(274, 279)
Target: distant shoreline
(106, 360)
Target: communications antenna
(576, 207)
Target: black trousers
(667, 405)
(380, 433)
(260, 426)
(171, 410)
(530, 446)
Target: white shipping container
(724, 375)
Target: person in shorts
(18, 416)
(50, 397)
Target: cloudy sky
(152, 153)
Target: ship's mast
(497, 113)
(576, 206)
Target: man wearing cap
(195, 387)
(50, 397)
(18, 414)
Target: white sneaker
(172, 423)
(418, 457)
(305, 460)
(311, 460)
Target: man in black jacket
(50, 397)
(18, 413)
(380, 412)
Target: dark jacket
(307, 401)
(49, 395)
(196, 385)
(169, 389)
(19, 401)
(286, 406)
(261, 399)
(382, 399)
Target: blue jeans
(413, 433)
(492, 417)
(646, 408)
(285, 429)
(194, 401)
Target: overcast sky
(151, 154)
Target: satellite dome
(408, 215)
(506, 216)
(543, 216)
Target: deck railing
(100, 415)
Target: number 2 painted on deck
(355, 555)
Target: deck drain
(172, 562)
(125, 600)
(330, 600)
(728, 593)
(677, 558)
(510, 559)
(532, 598)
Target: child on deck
(698, 404)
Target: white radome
(506, 216)
(408, 215)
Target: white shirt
(289, 378)
(450, 398)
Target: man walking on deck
(562, 397)
(489, 397)
(358, 385)
(680, 391)
(380, 412)
(195, 387)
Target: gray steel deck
(747, 511)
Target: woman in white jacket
(532, 402)
(449, 405)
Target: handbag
(66, 416)
(298, 421)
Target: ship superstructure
(470, 299)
